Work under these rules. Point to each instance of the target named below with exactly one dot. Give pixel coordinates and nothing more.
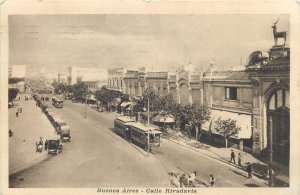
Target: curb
(215, 158)
(28, 165)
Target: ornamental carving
(255, 82)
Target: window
(231, 93)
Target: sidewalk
(27, 128)
(259, 168)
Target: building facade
(229, 94)
(258, 98)
(184, 85)
(270, 75)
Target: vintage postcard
(148, 97)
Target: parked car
(54, 146)
(65, 133)
(58, 123)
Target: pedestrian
(212, 180)
(21, 110)
(249, 170)
(17, 114)
(183, 181)
(269, 173)
(19, 98)
(192, 178)
(46, 144)
(10, 133)
(36, 146)
(174, 179)
(232, 156)
(240, 159)
(41, 141)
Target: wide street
(97, 157)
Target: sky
(158, 42)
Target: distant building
(73, 75)
(184, 85)
(93, 86)
(17, 72)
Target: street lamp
(148, 124)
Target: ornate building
(270, 75)
(184, 85)
(258, 98)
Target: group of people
(27, 98)
(249, 166)
(40, 145)
(19, 111)
(189, 180)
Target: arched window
(279, 99)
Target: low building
(229, 94)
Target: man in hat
(232, 156)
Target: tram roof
(125, 119)
(141, 126)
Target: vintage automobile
(65, 133)
(54, 146)
(58, 123)
(53, 116)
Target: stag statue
(278, 34)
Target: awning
(131, 106)
(125, 104)
(164, 119)
(242, 120)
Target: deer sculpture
(278, 34)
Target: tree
(194, 115)
(155, 103)
(61, 88)
(168, 102)
(106, 96)
(227, 127)
(79, 90)
(12, 94)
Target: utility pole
(148, 124)
(85, 102)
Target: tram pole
(85, 102)
(148, 124)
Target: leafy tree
(167, 102)
(194, 115)
(12, 94)
(106, 96)
(79, 90)
(200, 114)
(227, 127)
(155, 103)
(60, 88)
